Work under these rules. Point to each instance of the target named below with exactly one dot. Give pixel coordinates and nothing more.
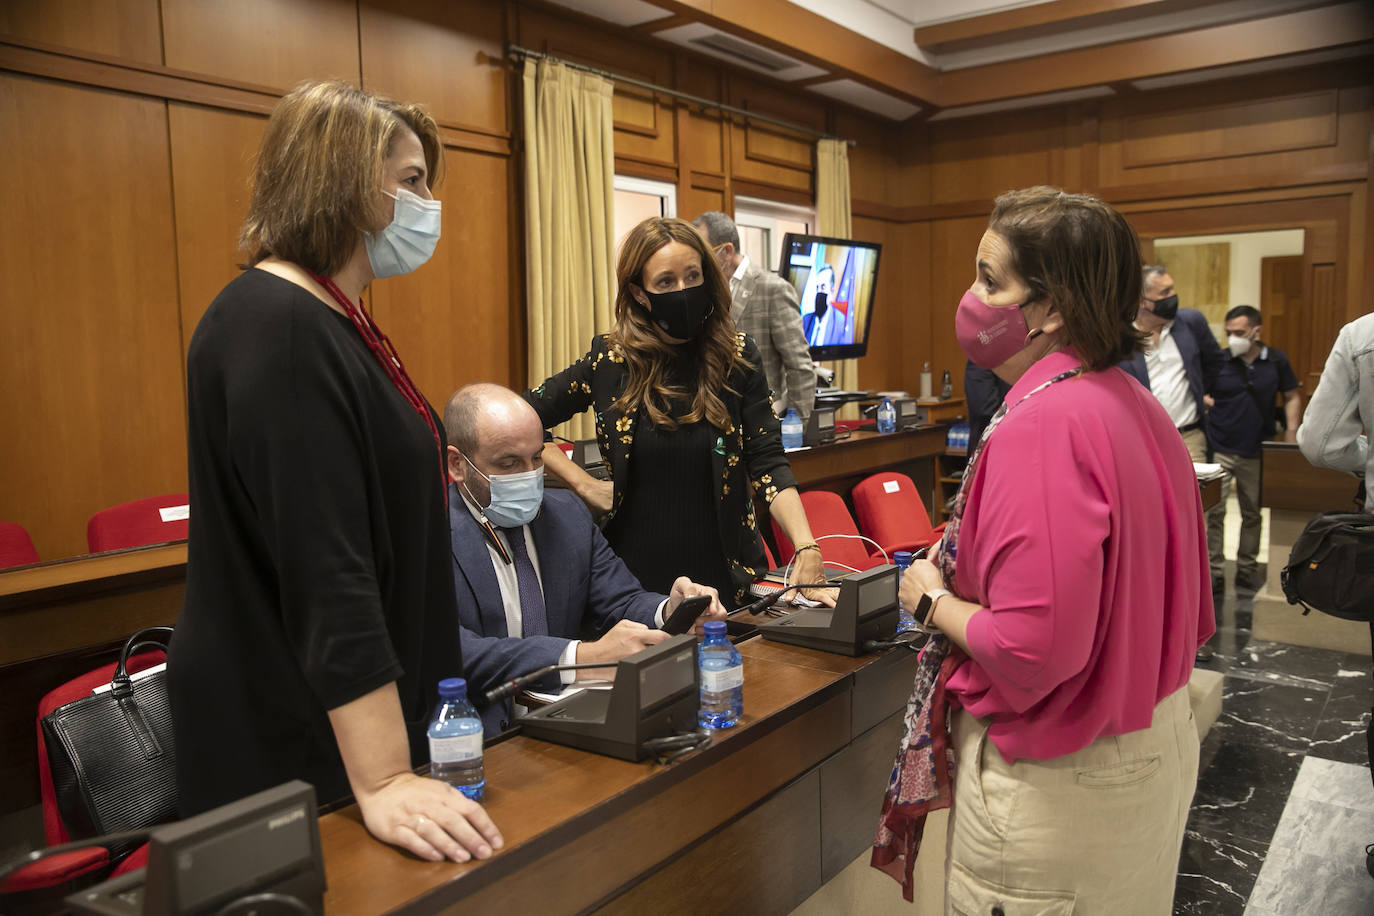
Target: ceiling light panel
(867, 98)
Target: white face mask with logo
(409, 240)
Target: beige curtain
(569, 219)
(833, 219)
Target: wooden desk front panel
(579, 826)
(1289, 481)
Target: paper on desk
(1206, 471)
(568, 691)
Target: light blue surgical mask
(409, 239)
(515, 498)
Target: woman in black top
(320, 611)
(684, 419)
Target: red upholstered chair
(891, 512)
(16, 549)
(827, 515)
(152, 520)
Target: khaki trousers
(1196, 440)
(1246, 474)
(1094, 832)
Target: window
(763, 223)
(637, 199)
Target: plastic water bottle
(722, 678)
(905, 621)
(455, 741)
(887, 417)
(791, 429)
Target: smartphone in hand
(686, 614)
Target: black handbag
(111, 754)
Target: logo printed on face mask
(989, 336)
(408, 240)
(515, 498)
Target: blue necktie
(533, 619)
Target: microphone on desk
(754, 607)
(513, 685)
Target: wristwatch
(926, 607)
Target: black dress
(667, 526)
(746, 458)
(319, 564)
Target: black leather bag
(1331, 566)
(111, 754)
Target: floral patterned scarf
(922, 777)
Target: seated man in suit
(537, 584)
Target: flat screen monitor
(835, 281)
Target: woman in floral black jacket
(685, 423)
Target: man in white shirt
(1335, 430)
(536, 582)
(1180, 360)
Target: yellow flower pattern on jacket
(752, 463)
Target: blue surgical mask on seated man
(408, 240)
(515, 498)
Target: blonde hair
(648, 355)
(318, 175)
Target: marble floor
(1284, 805)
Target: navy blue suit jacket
(587, 590)
(1202, 356)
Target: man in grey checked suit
(765, 307)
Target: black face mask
(1167, 307)
(681, 313)
(822, 303)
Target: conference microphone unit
(864, 616)
(655, 695)
(511, 687)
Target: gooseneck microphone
(754, 607)
(512, 686)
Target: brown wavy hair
(318, 175)
(1081, 255)
(648, 355)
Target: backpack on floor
(1331, 567)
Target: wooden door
(1287, 322)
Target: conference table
(753, 823)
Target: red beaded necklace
(390, 360)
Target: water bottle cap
(453, 687)
(901, 556)
(714, 628)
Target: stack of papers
(1207, 472)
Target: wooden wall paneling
(275, 43)
(212, 157)
(892, 346)
(953, 252)
(1202, 276)
(977, 159)
(445, 54)
(129, 29)
(1299, 127)
(453, 320)
(772, 155)
(1282, 310)
(95, 410)
(1294, 122)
